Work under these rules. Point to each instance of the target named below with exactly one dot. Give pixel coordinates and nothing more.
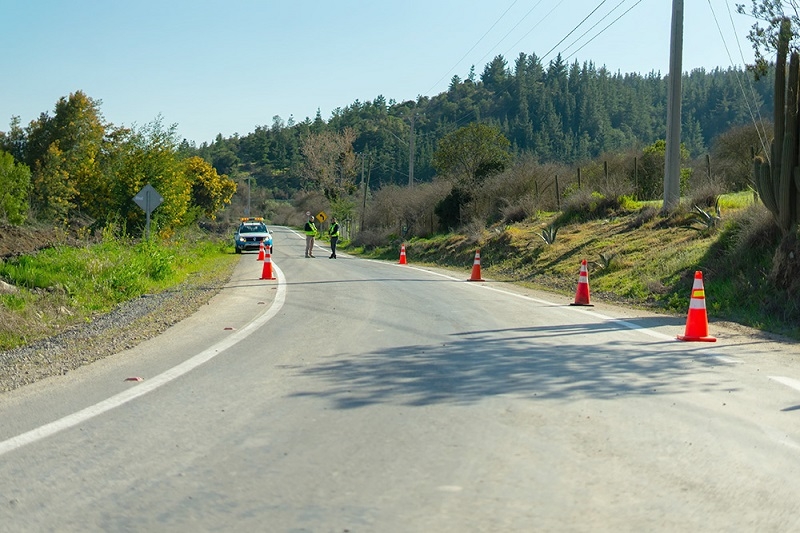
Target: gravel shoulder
(126, 326)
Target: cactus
(778, 179)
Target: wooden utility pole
(411, 153)
(366, 188)
(672, 159)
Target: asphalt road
(359, 396)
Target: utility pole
(411, 153)
(249, 187)
(672, 159)
(365, 182)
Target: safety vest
(310, 229)
(334, 230)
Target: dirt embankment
(25, 240)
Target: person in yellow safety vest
(333, 232)
(311, 232)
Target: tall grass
(61, 286)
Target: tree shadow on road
(553, 363)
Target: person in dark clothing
(333, 232)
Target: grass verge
(63, 286)
(637, 258)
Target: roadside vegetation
(637, 257)
(537, 165)
(47, 292)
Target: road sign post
(148, 199)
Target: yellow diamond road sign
(322, 217)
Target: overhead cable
(473, 46)
(762, 134)
(604, 29)
(575, 28)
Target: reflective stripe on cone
(697, 319)
(582, 292)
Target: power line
(762, 137)
(534, 27)
(514, 28)
(604, 29)
(575, 28)
(473, 46)
(467, 116)
(540, 21)
(593, 27)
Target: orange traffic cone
(697, 320)
(266, 270)
(403, 254)
(476, 267)
(260, 252)
(582, 293)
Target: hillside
(25, 240)
(636, 257)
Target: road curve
(356, 395)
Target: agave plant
(706, 220)
(549, 233)
(606, 259)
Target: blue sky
(227, 66)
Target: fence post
(558, 196)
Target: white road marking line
(789, 382)
(151, 384)
(726, 359)
(629, 325)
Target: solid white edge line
(625, 323)
(789, 382)
(151, 384)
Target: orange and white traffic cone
(476, 267)
(266, 270)
(260, 252)
(697, 320)
(582, 293)
(403, 255)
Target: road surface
(352, 395)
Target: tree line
(72, 164)
(555, 113)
